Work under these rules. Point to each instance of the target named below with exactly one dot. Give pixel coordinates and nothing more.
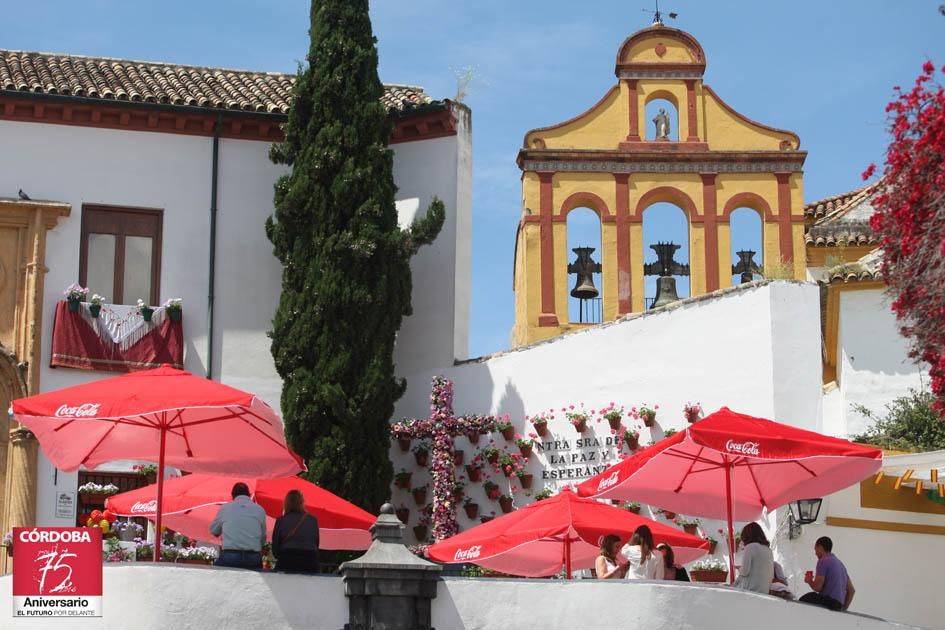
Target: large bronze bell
(665, 267)
(585, 268)
(665, 291)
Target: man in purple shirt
(832, 587)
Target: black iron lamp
(805, 511)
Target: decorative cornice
(638, 73)
(663, 166)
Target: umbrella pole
(160, 496)
(567, 556)
(731, 528)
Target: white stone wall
(80, 165)
(873, 364)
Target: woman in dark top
(295, 537)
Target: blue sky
(822, 69)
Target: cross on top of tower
(658, 16)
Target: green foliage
(910, 424)
(346, 280)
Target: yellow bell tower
(603, 159)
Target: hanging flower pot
(146, 313)
(419, 495)
(506, 504)
(402, 480)
(482, 519)
(632, 441)
(691, 528)
(492, 458)
(613, 421)
(580, 426)
(420, 532)
(458, 457)
(458, 495)
(526, 480)
(474, 473)
(473, 437)
(712, 545)
(403, 443)
(95, 309)
(74, 305)
(421, 457)
(403, 515)
(508, 433)
(525, 450)
(669, 515)
(541, 428)
(648, 416)
(508, 471)
(175, 313)
(472, 510)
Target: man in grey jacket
(242, 525)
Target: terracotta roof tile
(867, 268)
(847, 223)
(171, 84)
(822, 207)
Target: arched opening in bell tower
(585, 283)
(747, 245)
(661, 117)
(665, 251)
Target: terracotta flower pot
(525, 450)
(508, 471)
(492, 459)
(403, 443)
(712, 545)
(508, 433)
(403, 482)
(458, 457)
(649, 420)
(669, 515)
(472, 510)
(458, 496)
(717, 577)
(474, 474)
(541, 429)
(403, 515)
(614, 423)
(691, 528)
(526, 480)
(693, 417)
(581, 426)
(632, 441)
(421, 458)
(420, 532)
(493, 494)
(506, 505)
(473, 437)
(420, 495)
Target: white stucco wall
(873, 364)
(468, 604)
(81, 165)
(897, 575)
(751, 349)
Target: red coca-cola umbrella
(163, 415)
(539, 538)
(191, 502)
(733, 466)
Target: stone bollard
(389, 588)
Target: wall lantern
(805, 511)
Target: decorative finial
(658, 16)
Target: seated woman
(295, 537)
(608, 565)
(779, 585)
(644, 563)
(757, 568)
(671, 571)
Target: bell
(665, 291)
(585, 268)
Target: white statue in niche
(662, 125)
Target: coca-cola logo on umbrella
(85, 410)
(607, 482)
(468, 554)
(742, 448)
(144, 508)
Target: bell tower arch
(619, 157)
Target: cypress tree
(346, 280)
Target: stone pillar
(21, 483)
(389, 588)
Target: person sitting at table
(242, 526)
(830, 584)
(671, 570)
(295, 537)
(608, 565)
(757, 568)
(644, 563)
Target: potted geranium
(403, 513)
(75, 295)
(421, 528)
(458, 491)
(544, 493)
(647, 414)
(613, 415)
(709, 570)
(95, 493)
(419, 495)
(505, 502)
(667, 514)
(459, 456)
(95, 304)
(525, 478)
(629, 437)
(631, 506)
(491, 453)
(525, 444)
(421, 453)
(148, 471)
(692, 412)
(145, 310)
(713, 543)
(577, 417)
(492, 490)
(690, 524)
(196, 555)
(540, 422)
(509, 463)
(400, 432)
(402, 479)
(473, 436)
(471, 507)
(175, 308)
(474, 470)
(504, 426)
